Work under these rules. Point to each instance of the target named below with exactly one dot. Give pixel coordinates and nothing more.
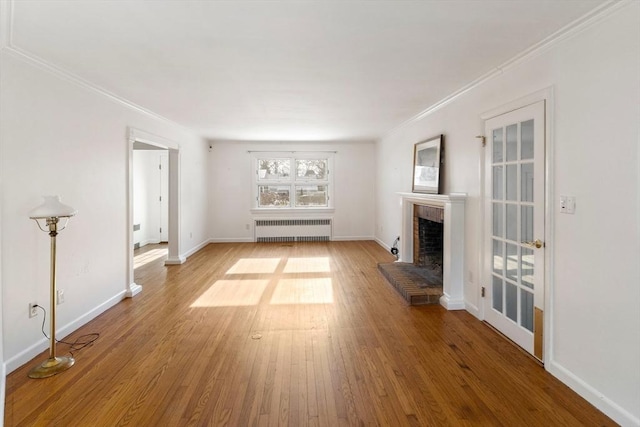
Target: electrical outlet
(33, 309)
(60, 295)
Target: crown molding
(595, 16)
(6, 23)
(7, 45)
(85, 84)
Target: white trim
(472, 308)
(180, 259)
(593, 17)
(144, 243)
(85, 84)
(452, 304)
(546, 95)
(291, 211)
(138, 135)
(292, 181)
(453, 234)
(381, 243)
(174, 256)
(196, 248)
(231, 240)
(37, 348)
(6, 25)
(134, 289)
(592, 395)
(351, 238)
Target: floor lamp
(47, 216)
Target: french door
(514, 225)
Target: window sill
(289, 211)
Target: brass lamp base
(52, 366)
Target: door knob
(535, 244)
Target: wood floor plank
(293, 334)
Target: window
(293, 181)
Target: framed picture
(427, 165)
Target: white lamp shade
(52, 208)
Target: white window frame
(292, 181)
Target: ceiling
(285, 70)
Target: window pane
(512, 222)
(526, 309)
(526, 177)
(496, 285)
(511, 302)
(527, 267)
(497, 182)
(512, 143)
(497, 145)
(527, 224)
(273, 196)
(273, 169)
(497, 219)
(511, 271)
(311, 169)
(498, 257)
(311, 195)
(526, 132)
(512, 182)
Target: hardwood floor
(289, 334)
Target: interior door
(514, 225)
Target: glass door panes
(512, 210)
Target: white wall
(595, 281)
(58, 137)
(231, 180)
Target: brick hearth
(417, 285)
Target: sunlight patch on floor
(303, 291)
(307, 265)
(254, 266)
(147, 257)
(227, 293)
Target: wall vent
(293, 230)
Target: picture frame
(427, 165)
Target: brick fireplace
(448, 212)
(428, 236)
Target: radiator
(293, 230)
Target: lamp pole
(51, 211)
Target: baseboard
(175, 260)
(593, 396)
(351, 238)
(232, 240)
(381, 243)
(450, 304)
(473, 309)
(196, 249)
(134, 289)
(149, 242)
(43, 344)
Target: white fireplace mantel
(453, 241)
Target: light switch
(563, 204)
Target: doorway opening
(153, 221)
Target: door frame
(174, 257)
(546, 95)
